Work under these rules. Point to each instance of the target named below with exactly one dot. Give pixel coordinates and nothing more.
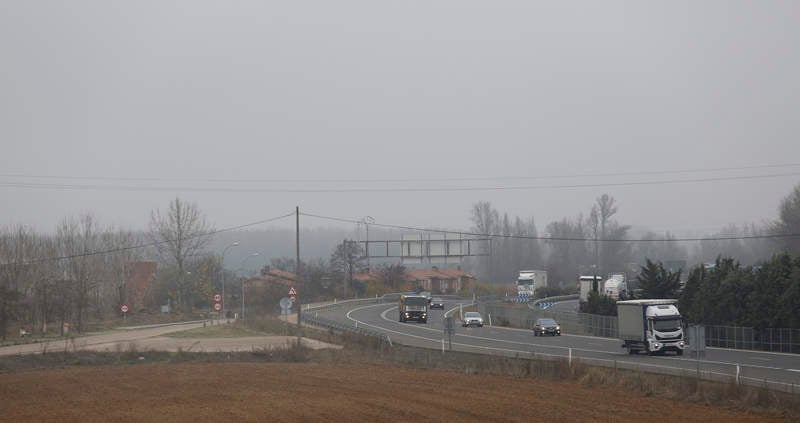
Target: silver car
(472, 318)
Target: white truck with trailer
(615, 286)
(529, 281)
(652, 326)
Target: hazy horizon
(685, 112)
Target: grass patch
(233, 330)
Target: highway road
(781, 371)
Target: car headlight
(558, 327)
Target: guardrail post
(737, 374)
(570, 357)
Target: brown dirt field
(323, 392)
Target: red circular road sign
(217, 297)
(123, 308)
(217, 307)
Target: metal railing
(310, 316)
(745, 338)
(736, 337)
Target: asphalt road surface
(778, 370)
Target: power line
(153, 244)
(26, 185)
(544, 238)
(362, 180)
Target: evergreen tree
(657, 282)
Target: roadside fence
(737, 337)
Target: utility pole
(297, 270)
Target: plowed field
(276, 392)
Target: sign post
(124, 309)
(217, 305)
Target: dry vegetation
(366, 381)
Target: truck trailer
(652, 326)
(616, 287)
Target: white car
(472, 318)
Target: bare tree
(113, 292)
(484, 218)
(609, 256)
(568, 251)
(788, 222)
(180, 234)
(79, 242)
(486, 221)
(16, 249)
(347, 259)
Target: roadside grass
(231, 330)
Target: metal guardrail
(309, 316)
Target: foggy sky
(118, 107)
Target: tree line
(55, 278)
(594, 243)
(724, 293)
(80, 273)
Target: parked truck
(529, 281)
(652, 326)
(413, 307)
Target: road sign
(217, 307)
(123, 308)
(217, 298)
(292, 291)
(286, 305)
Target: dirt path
(149, 338)
(315, 392)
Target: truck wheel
(631, 351)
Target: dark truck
(413, 307)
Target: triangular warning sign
(292, 291)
